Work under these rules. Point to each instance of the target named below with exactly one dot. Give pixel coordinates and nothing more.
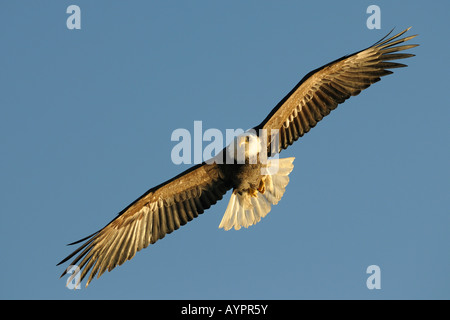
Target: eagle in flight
(257, 184)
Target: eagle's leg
(262, 185)
(253, 192)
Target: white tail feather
(245, 210)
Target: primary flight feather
(256, 186)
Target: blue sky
(85, 127)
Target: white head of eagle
(245, 148)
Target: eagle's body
(241, 163)
(242, 177)
(257, 182)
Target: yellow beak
(241, 141)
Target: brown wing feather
(319, 92)
(158, 212)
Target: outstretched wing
(158, 212)
(323, 89)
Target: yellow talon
(262, 186)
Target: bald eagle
(256, 185)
